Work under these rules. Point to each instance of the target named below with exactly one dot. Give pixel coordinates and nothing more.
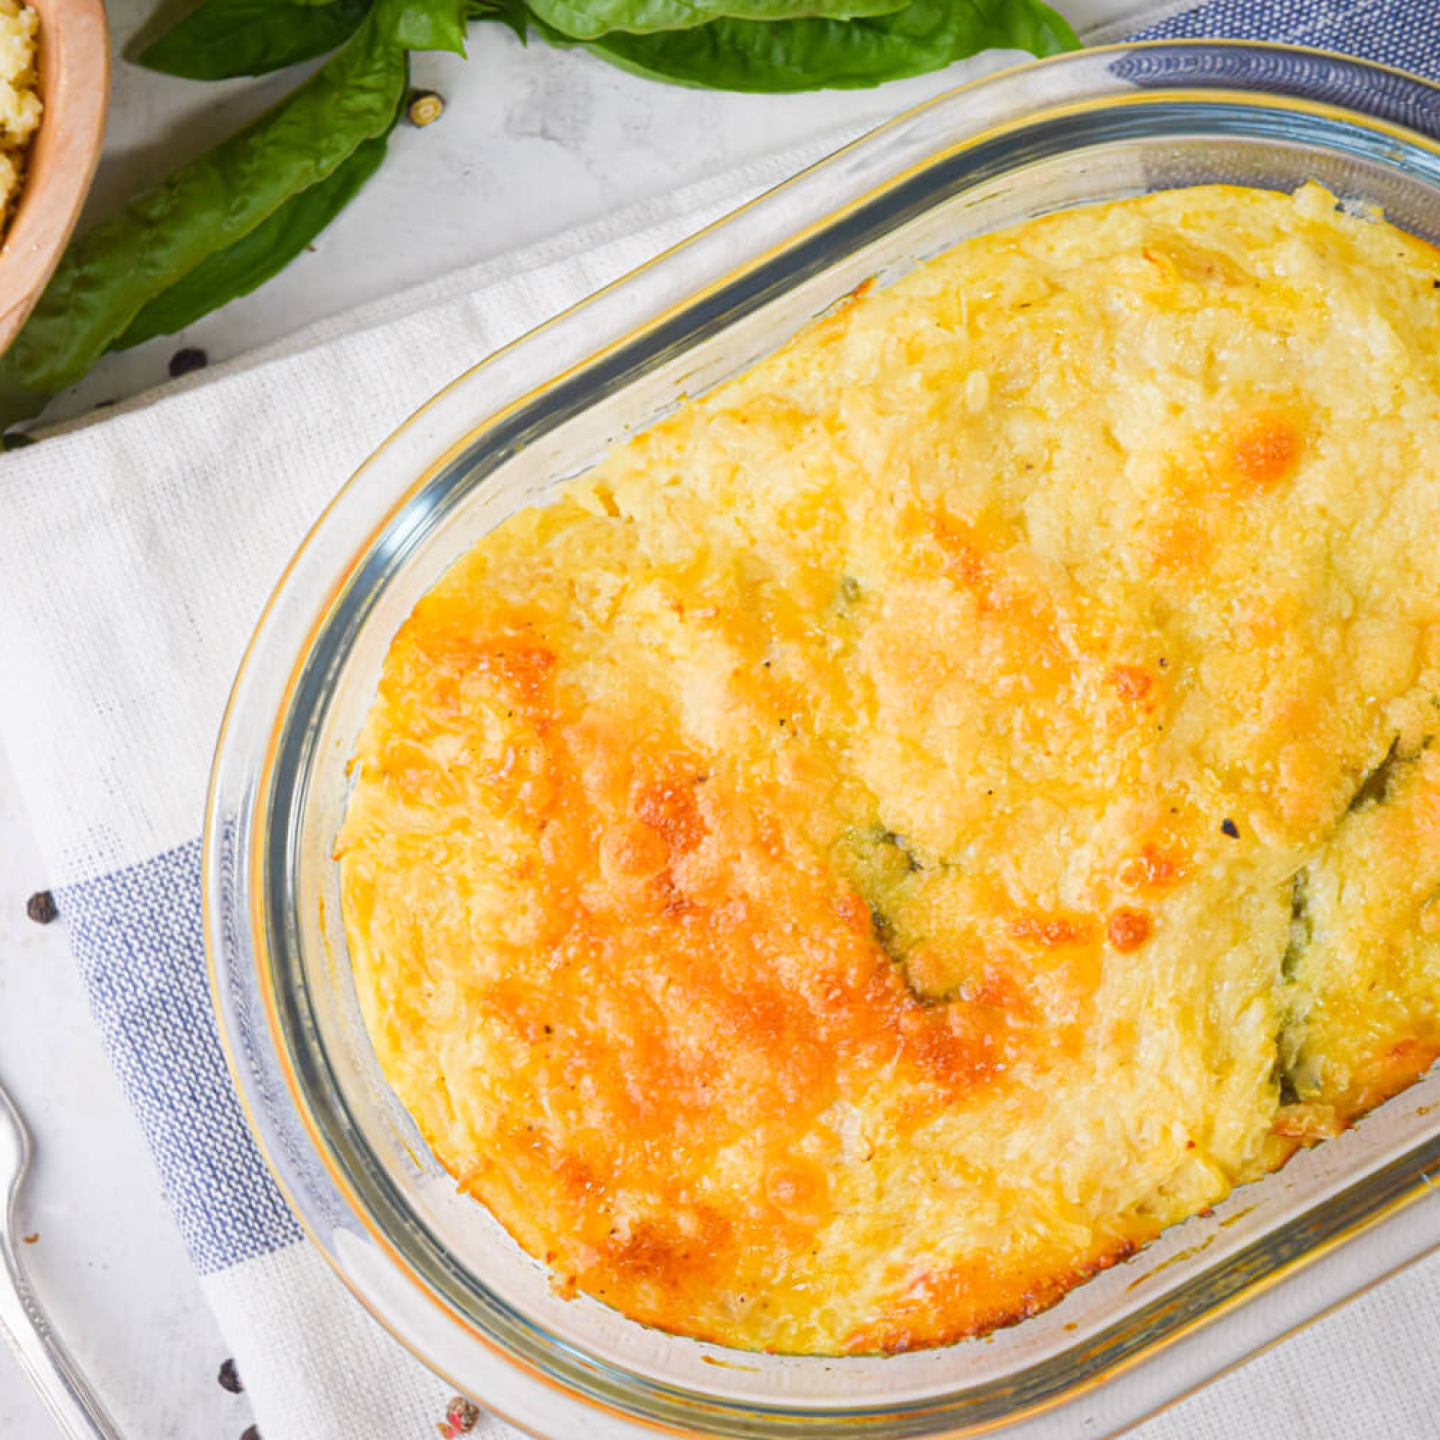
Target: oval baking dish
(435, 1267)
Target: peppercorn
(251, 1432)
(424, 107)
(461, 1417)
(229, 1378)
(41, 907)
(1230, 828)
(184, 362)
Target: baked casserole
(946, 804)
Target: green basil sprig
(258, 256)
(425, 24)
(219, 226)
(113, 272)
(809, 53)
(512, 14)
(224, 38)
(590, 19)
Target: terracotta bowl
(75, 89)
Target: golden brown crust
(946, 805)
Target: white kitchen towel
(135, 555)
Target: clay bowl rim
(74, 66)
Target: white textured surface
(532, 142)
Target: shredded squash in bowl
(19, 99)
(946, 804)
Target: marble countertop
(532, 141)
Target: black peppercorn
(229, 1378)
(186, 361)
(1230, 828)
(41, 907)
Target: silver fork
(76, 1408)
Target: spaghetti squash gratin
(946, 804)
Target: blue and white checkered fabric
(112, 498)
(137, 936)
(1403, 33)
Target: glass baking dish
(432, 1265)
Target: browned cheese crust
(946, 804)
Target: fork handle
(75, 1407)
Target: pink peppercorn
(461, 1417)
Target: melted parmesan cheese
(949, 803)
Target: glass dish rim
(213, 897)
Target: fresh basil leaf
(107, 276)
(589, 19)
(224, 38)
(811, 54)
(425, 24)
(510, 13)
(263, 253)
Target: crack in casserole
(946, 804)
